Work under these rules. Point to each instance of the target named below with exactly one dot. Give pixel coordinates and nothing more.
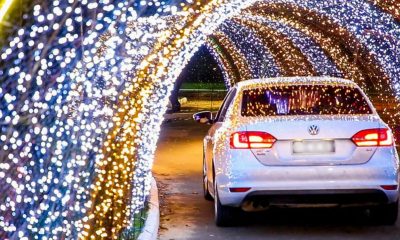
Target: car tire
(385, 214)
(206, 192)
(225, 216)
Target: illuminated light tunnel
(84, 89)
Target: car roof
(279, 81)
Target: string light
(4, 8)
(222, 62)
(263, 63)
(84, 89)
(238, 58)
(315, 55)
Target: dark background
(202, 68)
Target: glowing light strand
(80, 114)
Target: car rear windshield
(303, 100)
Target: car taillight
(373, 138)
(389, 187)
(248, 139)
(239, 190)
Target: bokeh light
(85, 86)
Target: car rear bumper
(354, 184)
(312, 198)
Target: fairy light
(238, 58)
(391, 6)
(291, 60)
(222, 63)
(61, 126)
(4, 8)
(86, 85)
(263, 63)
(315, 55)
(351, 16)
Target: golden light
(109, 106)
(4, 8)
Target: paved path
(186, 215)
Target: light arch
(138, 63)
(157, 71)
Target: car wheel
(225, 216)
(206, 192)
(385, 214)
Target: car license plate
(313, 147)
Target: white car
(298, 142)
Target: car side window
(225, 106)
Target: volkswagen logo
(313, 129)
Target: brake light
(248, 140)
(389, 187)
(239, 190)
(373, 138)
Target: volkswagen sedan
(299, 142)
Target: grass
(138, 224)
(201, 105)
(215, 86)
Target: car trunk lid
(319, 141)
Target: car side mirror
(203, 117)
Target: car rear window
(303, 100)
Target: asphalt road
(186, 215)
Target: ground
(186, 215)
